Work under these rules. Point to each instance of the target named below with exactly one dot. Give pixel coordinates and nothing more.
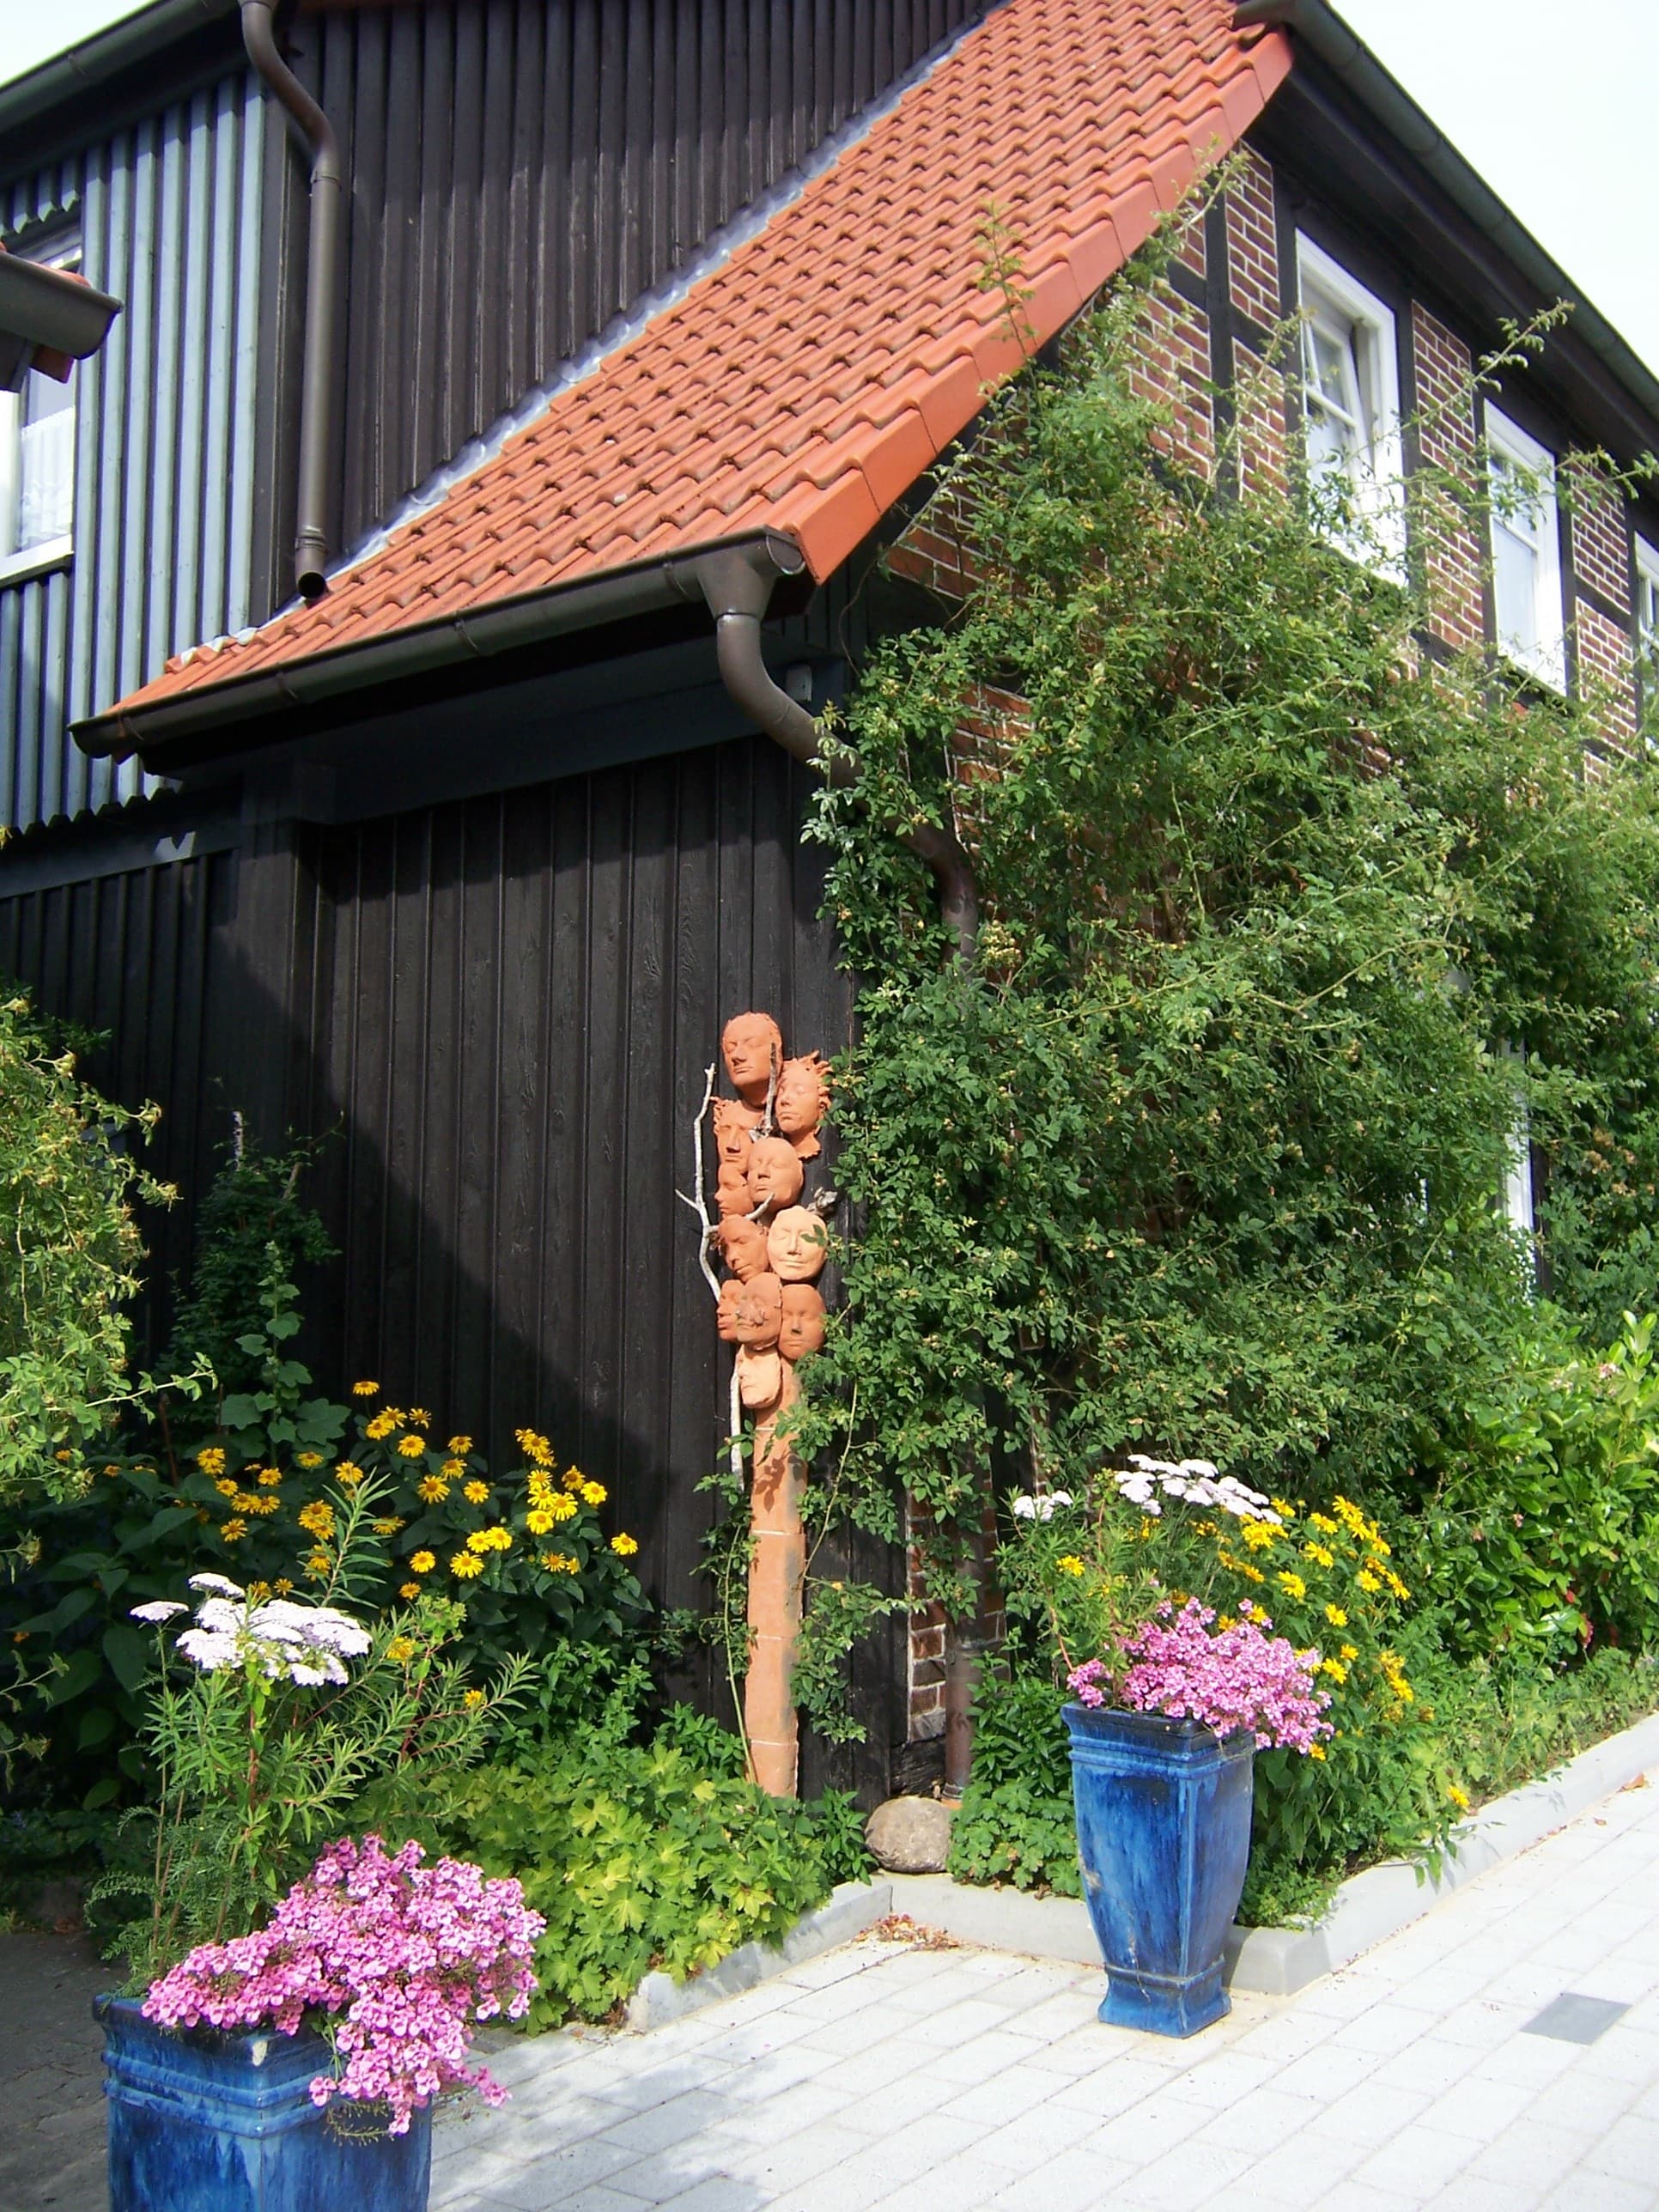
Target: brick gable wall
(1176, 366)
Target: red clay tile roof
(806, 383)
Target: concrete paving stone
(1331, 2070)
(965, 2063)
(1529, 2155)
(1076, 2181)
(549, 2176)
(1113, 2088)
(1222, 2080)
(1260, 2122)
(1370, 2114)
(653, 2127)
(1002, 2097)
(822, 2148)
(1418, 2163)
(1360, 2197)
(1183, 2175)
(665, 2175)
(1150, 2128)
(775, 2118)
(1465, 2193)
(1480, 2107)
(1629, 2150)
(1305, 2173)
(1033, 2138)
(1599, 2192)
(968, 2180)
(1624, 2054)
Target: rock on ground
(911, 1835)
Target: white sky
(1553, 103)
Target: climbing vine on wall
(1285, 920)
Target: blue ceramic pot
(1164, 1834)
(205, 2122)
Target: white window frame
(1647, 605)
(1546, 657)
(1375, 469)
(25, 561)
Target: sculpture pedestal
(776, 1575)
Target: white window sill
(36, 560)
(1545, 664)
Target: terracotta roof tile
(809, 382)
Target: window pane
(1515, 585)
(45, 473)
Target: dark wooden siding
(522, 170)
(145, 959)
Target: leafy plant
(1015, 1822)
(263, 1735)
(68, 1185)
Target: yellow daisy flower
(594, 1493)
(235, 1529)
(399, 1649)
(421, 1562)
(1292, 1585)
(317, 1519)
(461, 1446)
(1336, 1617)
(281, 1586)
(382, 1425)
(466, 1564)
(419, 1418)
(365, 1390)
(477, 1493)
(1070, 1564)
(412, 1447)
(225, 1486)
(623, 1545)
(309, 1459)
(407, 1590)
(210, 1459)
(473, 1699)
(432, 1490)
(269, 1477)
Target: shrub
(68, 1185)
(1015, 1822)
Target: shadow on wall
(505, 1007)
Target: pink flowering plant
(392, 1961)
(269, 1716)
(1232, 1677)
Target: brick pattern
(1605, 662)
(1253, 244)
(1173, 366)
(934, 551)
(1447, 542)
(1597, 530)
(738, 408)
(1259, 403)
(928, 1632)
(1191, 251)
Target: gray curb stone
(1366, 1909)
(850, 1909)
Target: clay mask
(760, 1379)
(744, 1246)
(732, 1123)
(732, 1189)
(799, 1104)
(795, 1245)
(725, 1314)
(751, 1046)
(757, 1313)
(801, 1330)
(774, 1174)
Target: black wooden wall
(504, 1005)
(522, 170)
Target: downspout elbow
(738, 587)
(316, 133)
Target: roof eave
(167, 726)
(1384, 96)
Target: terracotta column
(775, 1579)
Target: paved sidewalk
(914, 2079)
(51, 2106)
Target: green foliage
(1541, 1532)
(249, 1227)
(1202, 1150)
(643, 1855)
(261, 1759)
(1015, 1823)
(68, 1184)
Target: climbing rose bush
(392, 1960)
(1237, 1677)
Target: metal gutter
(48, 318)
(81, 69)
(1384, 97)
(620, 595)
(316, 134)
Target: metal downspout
(737, 585)
(322, 276)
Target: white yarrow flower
(210, 1652)
(159, 1609)
(220, 1582)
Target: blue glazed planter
(1164, 1834)
(205, 2122)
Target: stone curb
(852, 1907)
(1367, 1909)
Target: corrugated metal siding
(523, 169)
(169, 216)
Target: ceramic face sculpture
(734, 1122)
(732, 1189)
(757, 1313)
(744, 1246)
(800, 1332)
(799, 1104)
(751, 1046)
(774, 1174)
(725, 1313)
(795, 1245)
(760, 1379)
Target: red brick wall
(1174, 366)
(1446, 542)
(1253, 244)
(1605, 660)
(1598, 532)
